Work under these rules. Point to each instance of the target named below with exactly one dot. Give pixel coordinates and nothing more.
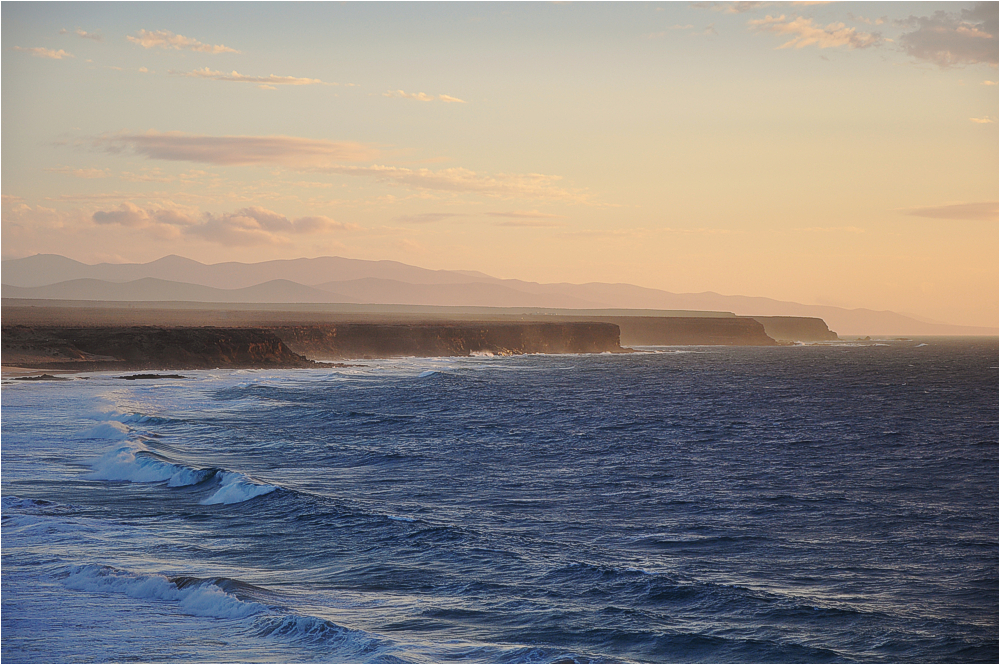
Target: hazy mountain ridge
(340, 280)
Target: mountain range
(341, 280)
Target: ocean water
(829, 503)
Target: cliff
(94, 348)
(119, 348)
(366, 340)
(690, 330)
(797, 328)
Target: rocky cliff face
(677, 331)
(144, 347)
(797, 328)
(358, 340)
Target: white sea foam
(237, 488)
(112, 430)
(203, 599)
(424, 375)
(126, 462)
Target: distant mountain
(151, 289)
(394, 292)
(340, 280)
(45, 269)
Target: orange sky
(841, 154)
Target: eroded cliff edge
(92, 348)
(370, 340)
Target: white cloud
(266, 82)
(78, 173)
(803, 32)
(168, 40)
(419, 96)
(237, 150)
(949, 39)
(40, 52)
(83, 34)
(451, 100)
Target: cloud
(425, 217)
(949, 39)
(524, 215)
(168, 40)
(237, 150)
(503, 185)
(804, 33)
(40, 52)
(741, 7)
(248, 226)
(982, 121)
(986, 211)
(729, 7)
(989, 82)
(419, 96)
(529, 223)
(320, 156)
(423, 97)
(148, 175)
(84, 34)
(266, 82)
(78, 173)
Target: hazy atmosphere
(829, 154)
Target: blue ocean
(827, 503)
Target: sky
(824, 153)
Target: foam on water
(129, 463)
(205, 599)
(112, 430)
(237, 488)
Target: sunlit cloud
(40, 52)
(949, 39)
(83, 34)
(267, 82)
(982, 121)
(854, 230)
(248, 226)
(419, 96)
(989, 82)
(426, 217)
(503, 185)
(237, 150)
(423, 97)
(803, 32)
(985, 211)
(78, 173)
(167, 40)
(524, 215)
(730, 7)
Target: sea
(812, 503)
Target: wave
(225, 598)
(237, 488)
(204, 599)
(133, 462)
(112, 430)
